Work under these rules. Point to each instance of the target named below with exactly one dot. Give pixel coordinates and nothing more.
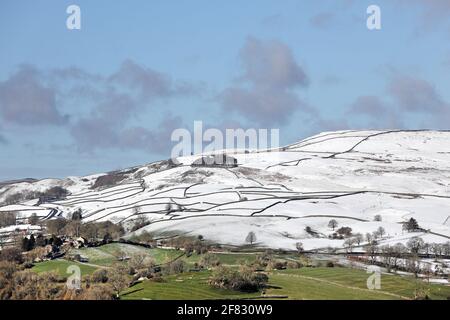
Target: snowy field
(349, 176)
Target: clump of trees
(7, 218)
(341, 233)
(145, 238)
(175, 267)
(140, 221)
(51, 194)
(33, 219)
(345, 231)
(377, 218)
(411, 225)
(245, 279)
(92, 231)
(208, 261)
(190, 245)
(19, 283)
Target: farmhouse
(220, 160)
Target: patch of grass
(341, 279)
(60, 266)
(191, 285)
(104, 255)
(230, 259)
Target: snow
(349, 176)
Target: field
(346, 283)
(304, 283)
(191, 285)
(60, 266)
(106, 255)
(298, 284)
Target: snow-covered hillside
(350, 176)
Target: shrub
(12, 254)
(176, 267)
(245, 279)
(294, 265)
(100, 276)
(345, 231)
(277, 265)
(330, 264)
(209, 260)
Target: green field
(303, 283)
(105, 255)
(298, 284)
(345, 283)
(190, 285)
(60, 266)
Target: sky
(109, 95)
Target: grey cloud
(148, 83)
(379, 113)
(129, 92)
(406, 97)
(415, 94)
(96, 133)
(368, 105)
(25, 100)
(108, 103)
(266, 90)
(432, 12)
(156, 140)
(271, 64)
(264, 106)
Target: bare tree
(348, 244)
(251, 238)
(7, 218)
(118, 278)
(387, 254)
(446, 249)
(372, 252)
(359, 238)
(299, 247)
(399, 251)
(332, 224)
(369, 237)
(436, 249)
(55, 226)
(415, 244)
(381, 231)
(137, 260)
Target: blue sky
(74, 102)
